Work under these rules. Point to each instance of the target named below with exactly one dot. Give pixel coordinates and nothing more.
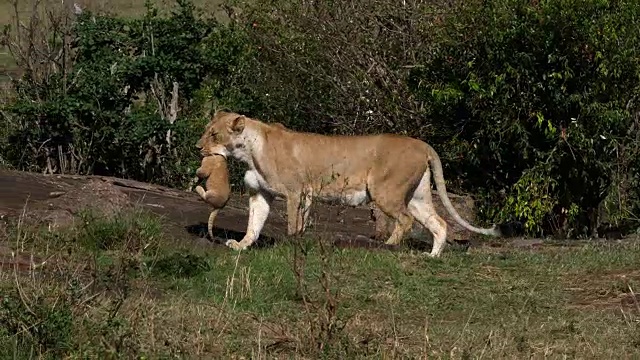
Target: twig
(228, 293)
(173, 111)
(427, 344)
(23, 296)
(633, 296)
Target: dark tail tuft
(512, 228)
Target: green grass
(146, 294)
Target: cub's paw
(235, 245)
(200, 173)
(200, 191)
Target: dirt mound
(63, 205)
(97, 195)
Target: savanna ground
(132, 277)
(101, 267)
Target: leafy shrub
(114, 112)
(133, 231)
(538, 101)
(336, 67)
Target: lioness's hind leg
(403, 224)
(390, 189)
(403, 220)
(423, 211)
(421, 207)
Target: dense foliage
(111, 112)
(542, 101)
(533, 106)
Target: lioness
(390, 170)
(214, 169)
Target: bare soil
(54, 200)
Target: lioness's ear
(237, 124)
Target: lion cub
(214, 168)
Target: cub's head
(221, 133)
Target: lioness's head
(220, 133)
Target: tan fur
(390, 170)
(214, 169)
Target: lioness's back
(311, 148)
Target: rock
(463, 204)
(361, 241)
(526, 243)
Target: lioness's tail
(212, 219)
(438, 177)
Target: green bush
(539, 102)
(335, 66)
(130, 230)
(111, 112)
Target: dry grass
(14, 11)
(128, 297)
(129, 8)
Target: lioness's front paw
(235, 245)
